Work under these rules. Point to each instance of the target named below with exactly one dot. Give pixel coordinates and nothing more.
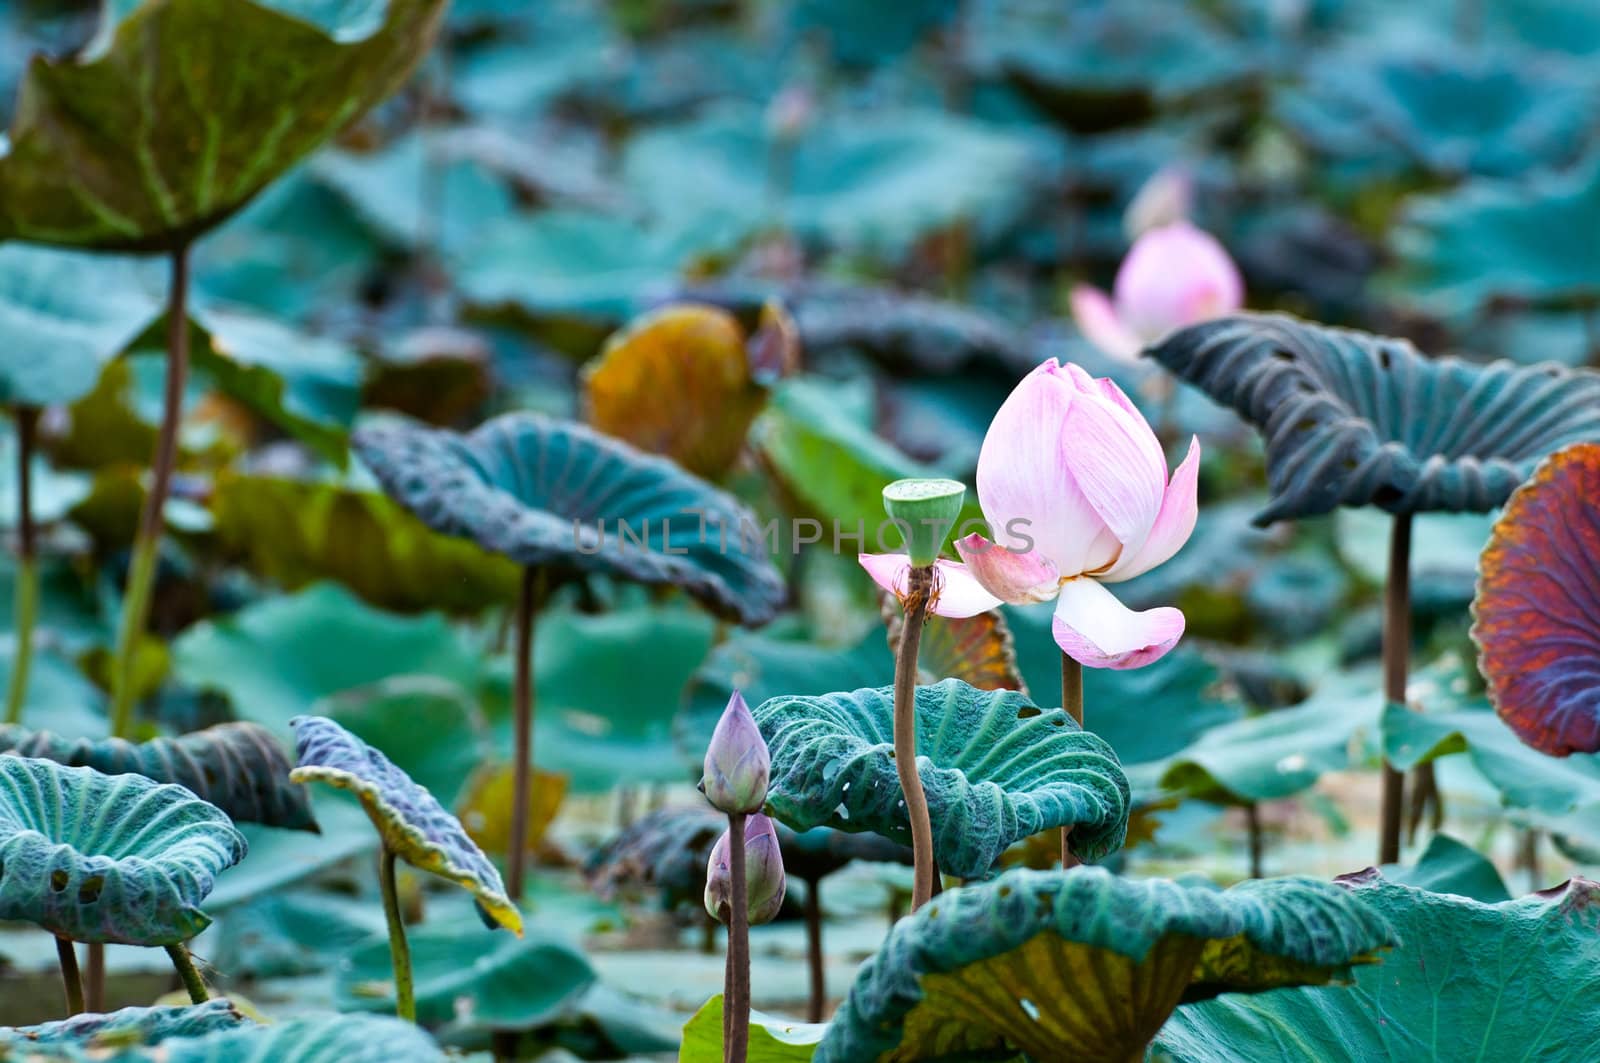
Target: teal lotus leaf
(1514, 980)
(549, 492)
(1083, 964)
(239, 767)
(1354, 419)
(411, 821)
(995, 767)
(178, 113)
(128, 1026)
(320, 1039)
(118, 859)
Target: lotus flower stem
(1396, 653)
(67, 953)
(1072, 702)
(191, 977)
(528, 602)
(147, 541)
(27, 601)
(1252, 818)
(736, 974)
(919, 586)
(94, 979)
(405, 1003)
(814, 956)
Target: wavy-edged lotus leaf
(128, 1026)
(442, 741)
(239, 767)
(64, 315)
(542, 491)
(1537, 610)
(410, 820)
(119, 859)
(677, 382)
(772, 1040)
(203, 101)
(996, 768)
(1084, 964)
(294, 532)
(977, 650)
(319, 1039)
(507, 983)
(1354, 419)
(1515, 980)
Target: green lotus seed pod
(926, 510)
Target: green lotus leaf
(772, 1040)
(410, 820)
(322, 1039)
(508, 983)
(1083, 964)
(292, 931)
(238, 767)
(442, 741)
(1354, 419)
(541, 491)
(1514, 980)
(996, 769)
(1448, 866)
(128, 1026)
(120, 859)
(181, 111)
(295, 533)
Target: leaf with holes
(977, 649)
(1083, 964)
(1514, 980)
(239, 767)
(410, 820)
(119, 859)
(996, 769)
(178, 113)
(1537, 609)
(547, 492)
(1354, 419)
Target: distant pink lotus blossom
(1174, 275)
(1074, 482)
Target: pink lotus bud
(763, 867)
(738, 766)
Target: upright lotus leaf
(184, 109)
(1083, 964)
(128, 1026)
(1514, 980)
(1537, 609)
(995, 767)
(239, 767)
(319, 1039)
(772, 1040)
(547, 492)
(1448, 866)
(976, 649)
(677, 382)
(412, 823)
(118, 859)
(1354, 419)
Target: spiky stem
(405, 1003)
(186, 971)
(27, 601)
(1072, 702)
(736, 979)
(528, 602)
(71, 980)
(1396, 654)
(919, 586)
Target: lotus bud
(737, 766)
(926, 511)
(764, 882)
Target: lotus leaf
(1355, 419)
(1514, 980)
(181, 111)
(1448, 866)
(410, 820)
(238, 767)
(977, 649)
(541, 491)
(144, 1026)
(322, 1039)
(119, 859)
(1083, 964)
(996, 769)
(772, 1040)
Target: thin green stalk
(191, 977)
(919, 586)
(1396, 662)
(736, 986)
(405, 1001)
(1072, 702)
(27, 601)
(71, 980)
(147, 541)
(528, 602)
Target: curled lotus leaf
(411, 821)
(239, 767)
(1083, 964)
(1513, 980)
(548, 492)
(1354, 419)
(322, 1039)
(996, 768)
(180, 112)
(975, 649)
(126, 1026)
(119, 859)
(1537, 609)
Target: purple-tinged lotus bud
(764, 880)
(738, 765)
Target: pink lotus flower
(1174, 275)
(1074, 482)
(955, 592)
